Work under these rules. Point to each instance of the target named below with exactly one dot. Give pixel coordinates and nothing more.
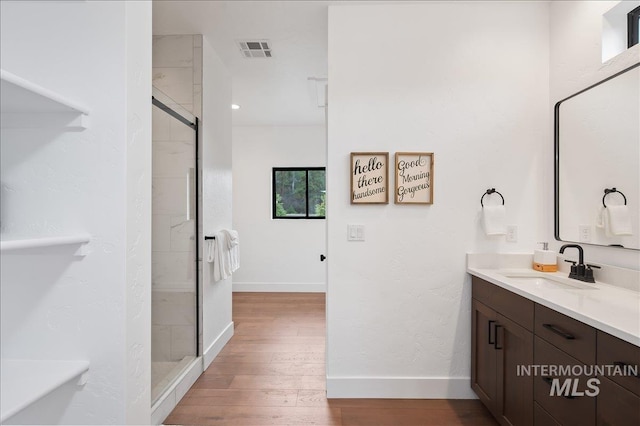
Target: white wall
(216, 197)
(468, 81)
(54, 305)
(575, 62)
(276, 255)
(138, 227)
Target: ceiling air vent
(255, 48)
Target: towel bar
(209, 237)
(492, 191)
(608, 191)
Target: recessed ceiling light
(235, 106)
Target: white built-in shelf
(23, 382)
(27, 105)
(44, 242)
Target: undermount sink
(550, 284)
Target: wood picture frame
(414, 178)
(369, 178)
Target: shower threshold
(164, 373)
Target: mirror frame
(556, 147)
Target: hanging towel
(224, 252)
(211, 250)
(221, 269)
(618, 220)
(600, 217)
(494, 220)
(233, 245)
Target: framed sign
(414, 178)
(369, 178)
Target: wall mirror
(597, 149)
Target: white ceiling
(271, 91)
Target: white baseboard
(214, 348)
(400, 387)
(280, 287)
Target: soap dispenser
(545, 260)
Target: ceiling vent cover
(255, 48)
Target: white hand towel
(211, 250)
(223, 252)
(494, 219)
(619, 220)
(221, 262)
(233, 242)
(232, 238)
(600, 217)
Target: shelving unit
(27, 105)
(31, 243)
(23, 382)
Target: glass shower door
(174, 243)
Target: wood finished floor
(272, 373)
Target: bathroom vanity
(524, 322)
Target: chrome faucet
(580, 271)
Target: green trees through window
(299, 193)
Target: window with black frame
(298, 193)
(633, 27)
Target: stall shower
(174, 314)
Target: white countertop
(612, 309)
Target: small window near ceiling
(633, 27)
(620, 28)
(298, 193)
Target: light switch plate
(355, 232)
(512, 234)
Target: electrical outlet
(584, 232)
(512, 234)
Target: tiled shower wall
(177, 71)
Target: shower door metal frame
(195, 126)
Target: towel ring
(491, 191)
(608, 191)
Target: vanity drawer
(565, 409)
(614, 351)
(511, 305)
(573, 337)
(616, 405)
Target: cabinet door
(483, 354)
(515, 392)
(542, 418)
(616, 406)
(613, 351)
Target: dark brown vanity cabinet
(561, 340)
(502, 339)
(618, 402)
(566, 410)
(509, 331)
(616, 406)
